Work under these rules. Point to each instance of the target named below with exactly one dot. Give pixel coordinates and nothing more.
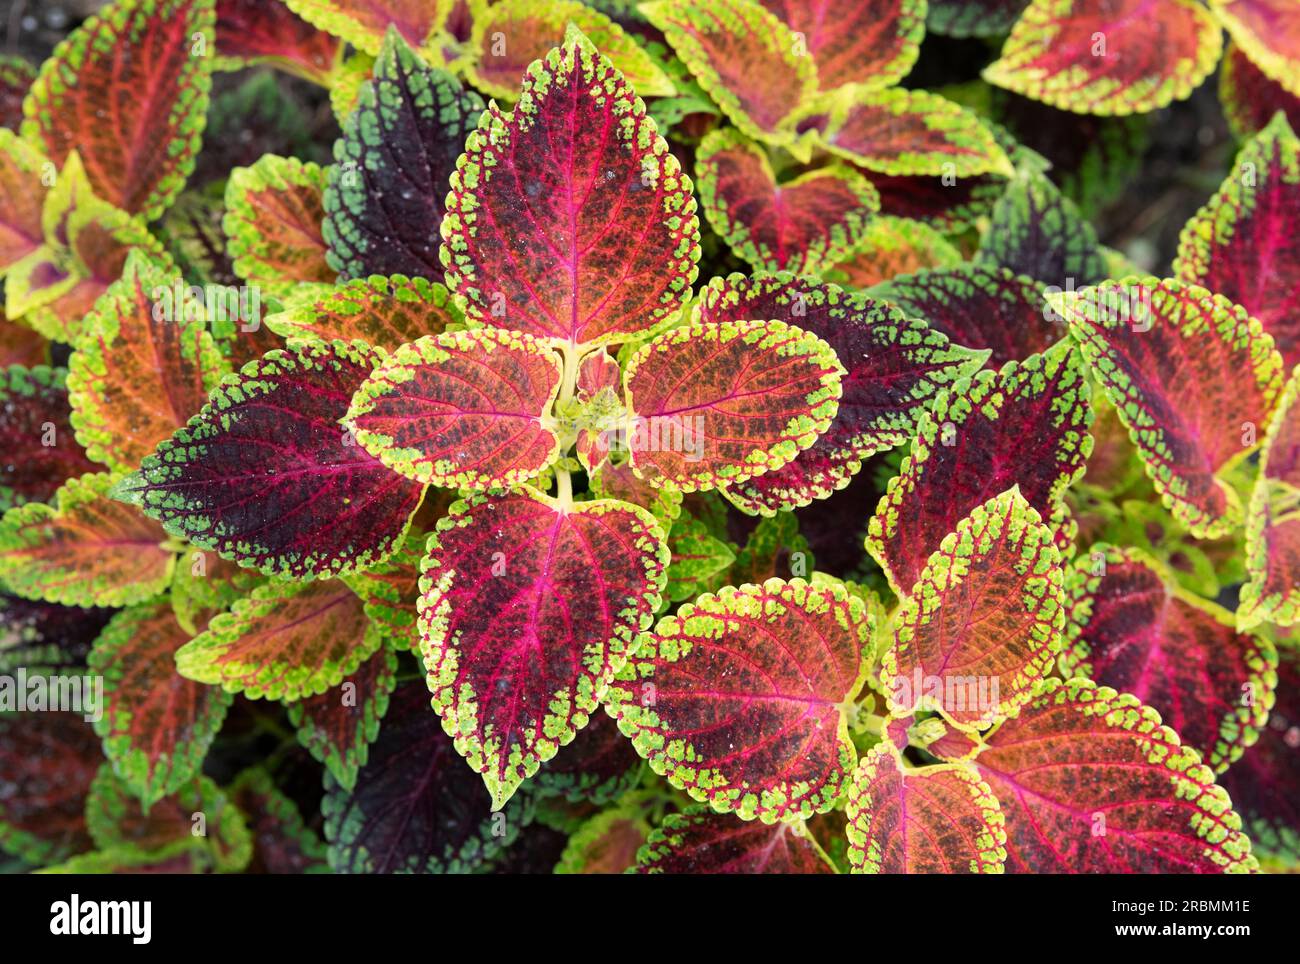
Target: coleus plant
(495, 519)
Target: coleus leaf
(801, 225)
(510, 35)
(285, 641)
(45, 638)
(1160, 349)
(979, 306)
(385, 196)
(47, 764)
(35, 419)
(599, 766)
(896, 366)
(463, 410)
(874, 42)
(721, 402)
(1134, 629)
(390, 591)
(892, 246)
(933, 820)
(1238, 244)
(1025, 425)
(20, 345)
(156, 725)
(364, 23)
(619, 481)
(753, 65)
(1262, 784)
(83, 549)
(1108, 56)
(1036, 231)
(739, 698)
(941, 203)
(385, 313)
(254, 31)
(142, 366)
(1250, 98)
(322, 504)
(774, 548)
(282, 843)
(16, 76)
(905, 133)
(1272, 592)
(174, 858)
(273, 221)
(416, 808)
(699, 841)
(699, 560)
(338, 726)
(1269, 32)
(527, 610)
(527, 242)
(607, 843)
(203, 586)
(983, 621)
(117, 822)
(972, 18)
(1089, 781)
(24, 180)
(128, 89)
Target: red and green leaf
(462, 410)
(528, 609)
(510, 35)
(364, 23)
(1161, 350)
(747, 60)
(265, 476)
(338, 726)
(934, 820)
(893, 246)
(156, 725)
(1263, 783)
(739, 699)
(20, 345)
(203, 586)
(47, 764)
(1026, 425)
(528, 242)
(1089, 781)
(255, 31)
(1239, 244)
(801, 225)
(128, 90)
(741, 397)
(46, 638)
(142, 367)
(83, 548)
(391, 590)
(385, 313)
(1132, 628)
(599, 766)
(620, 482)
(1272, 591)
(386, 195)
(873, 42)
(901, 132)
(607, 843)
(16, 76)
(1109, 56)
(1038, 232)
(987, 610)
(416, 808)
(282, 842)
(274, 211)
(119, 824)
(36, 429)
(946, 204)
(1269, 33)
(1249, 98)
(699, 841)
(979, 306)
(24, 174)
(285, 641)
(700, 561)
(897, 368)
